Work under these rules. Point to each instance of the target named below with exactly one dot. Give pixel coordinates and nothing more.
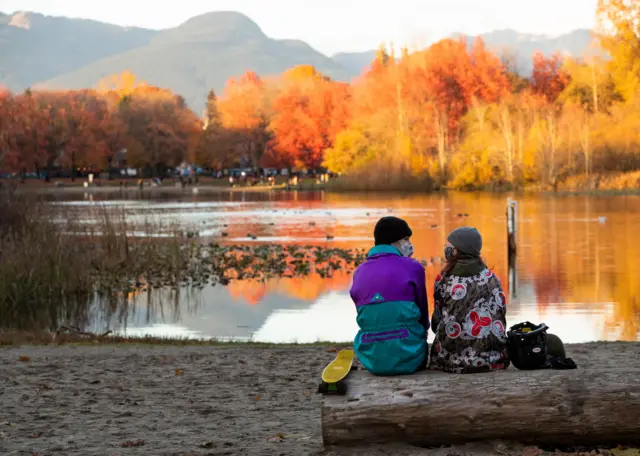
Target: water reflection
(577, 266)
(332, 318)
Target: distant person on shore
(469, 316)
(390, 295)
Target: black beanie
(391, 229)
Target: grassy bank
(381, 182)
(631, 191)
(73, 336)
(595, 184)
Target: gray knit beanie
(467, 240)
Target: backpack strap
(561, 363)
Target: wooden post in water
(512, 230)
(512, 227)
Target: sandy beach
(188, 400)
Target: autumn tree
(509, 59)
(46, 131)
(372, 137)
(591, 85)
(548, 77)
(309, 111)
(212, 116)
(7, 127)
(24, 139)
(245, 111)
(497, 147)
(122, 83)
(581, 132)
(159, 128)
(215, 146)
(619, 28)
(444, 79)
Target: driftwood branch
(574, 407)
(77, 332)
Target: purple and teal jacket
(390, 295)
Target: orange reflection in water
(250, 291)
(307, 288)
(576, 254)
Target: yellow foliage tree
(124, 83)
(619, 26)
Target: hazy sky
(340, 25)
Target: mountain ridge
(45, 40)
(573, 43)
(202, 53)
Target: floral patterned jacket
(469, 323)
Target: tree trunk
(575, 407)
(504, 123)
(586, 144)
(520, 132)
(551, 144)
(594, 88)
(442, 130)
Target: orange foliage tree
(245, 111)
(549, 78)
(407, 112)
(309, 111)
(43, 131)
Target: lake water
(577, 268)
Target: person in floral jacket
(469, 310)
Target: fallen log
(74, 331)
(547, 407)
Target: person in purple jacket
(390, 295)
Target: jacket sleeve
(437, 311)
(421, 296)
(352, 290)
(495, 287)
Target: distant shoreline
(597, 185)
(207, 188)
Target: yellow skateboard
(334, 374)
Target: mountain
(522, 46)
(35, 48)
(508, 43)
(202, 54)
(354, 62)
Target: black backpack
(528, 350)
(527, 345)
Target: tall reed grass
(58, 268)
(55, 269)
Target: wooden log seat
(555, 407)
